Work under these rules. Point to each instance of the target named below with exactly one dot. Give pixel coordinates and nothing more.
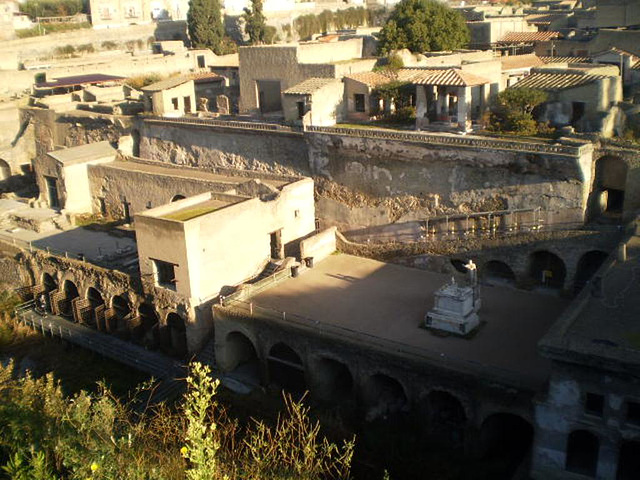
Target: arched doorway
(175, 198)
(286, 369)
(121, 307)
(609, 185)
(383, 396)
(582, 453)
(49, 285)
(178, 335)
(505, 440)
(446, 417)
(144, 332)
(241, 358)
(70, 293)
(496, 271)
(95, 300)
(547, 269)
(334, 382)
(588, 265)
(629, 460)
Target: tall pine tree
(255, 23)
(206, 29)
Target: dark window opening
(594, 404)
(174, 102)
(629, 460)
(103, 206)
(201, 61)
(582, 453)
(165, 273)
(633, 413)
(52, 192)
(577, 112)
(277, 248)
(187, 104)
(126, 212)
(359, 102)
(301, 111)
(615, 200)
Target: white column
(421, 101)
(464, 100)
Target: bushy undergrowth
(46, 435)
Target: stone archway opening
(177, 197)
(446, 417)
(629, 460)
(178, 335)
(49, 285)
(609, 186)
(241, 358)
(334, 382)
(383, 396)
(506, 438)
(148, 322)
(121, 307)
(498, 272)
(70, 293)
(95, 299)
(286, 369)
(582, 453)
(588, 265)
(547, 269)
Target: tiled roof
(566, 59)
(517, 37)
(544, 18)
(204, 77)
(166, 84)
(614, 50)
(310, 86)
(514, 62)
(371, 79)
(451, 77)
(636, 66)
(556, 81)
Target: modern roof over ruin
(449, 77)
(84, 153)
(527, 37)
(349, 297)
(553, 82)
(566, 59)
(167, 84)
(78, 80)
(310, 86)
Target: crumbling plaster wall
(209, 147)
(377, 181)
(562, 411)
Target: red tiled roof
(451, 77)
(371, 79)
(520, 37)
(566, 59)
(205, 77)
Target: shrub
(109, 45)
(66, 50)
(86, 48)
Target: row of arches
(583, 450)
(141, 325)
(380, 396)
(545, 269)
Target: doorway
(277, 248)
(52, 192)
(187, 104)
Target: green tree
(255, 23)
(512, 110)
(423, 26)
(204, 22)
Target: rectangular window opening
(359, 102)
(165, 274)
(594, 404)
(174, 102)
(633, 413)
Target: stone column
(464, 99)
(422, 106)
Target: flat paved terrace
(385, 304)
